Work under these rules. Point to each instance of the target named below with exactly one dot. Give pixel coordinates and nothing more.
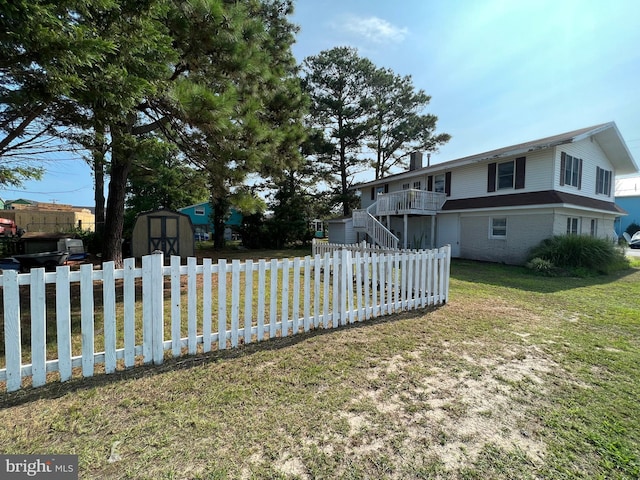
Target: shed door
(164, 233)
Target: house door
(448, 232)
(164, 233)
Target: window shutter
(598, 179)
(373, 193)
(520, 171)
(563, 161)
(430, 183)
(386, 188)
(447, 184)
(491, 178)
(579, 174)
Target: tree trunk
(114, 218)
(98, 171)
(219, 208)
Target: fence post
(152, 308)
(12, 333)
(158, 307)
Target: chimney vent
(415, 160)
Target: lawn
(518, 376)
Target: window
(498, 228)
(594, 227)
(570, 170)
(416, 185)
(572, 226)
(198, 211)
(505, 175)
(405, 186)
(438, 183)
(603, 181)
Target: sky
(499, 72)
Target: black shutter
(373, 193)
(491, 178)
(563, 161)
(520, 171)
(447, 183)
(579, 174)
(430, 183)
(386, 188)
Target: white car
(634, 242)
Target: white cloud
(373, 28)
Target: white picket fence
(251, 302)
(320, 247)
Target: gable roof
(606, 134)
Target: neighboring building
(497, 205)
(628, 198)
(200, 215)
(48, 217)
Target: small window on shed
(198, 211)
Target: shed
(166, 230)
(341, 231)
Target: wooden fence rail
(142, 313)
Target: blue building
(628, 198)
(200, 215)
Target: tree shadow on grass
(57, 389)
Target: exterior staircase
(405, 203)
(364, 221)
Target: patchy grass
(518, 376)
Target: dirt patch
(436, 416)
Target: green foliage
(159, 179)
(291, 218)
(632, 228)
(337, 82)
(541, 266)
(355, 108)
(399, 125)
(578, 254)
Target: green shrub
(541, 266)
(580, 254)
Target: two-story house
(497, 205)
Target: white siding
(470, 181)
(592, 157)
(524, 231)
(341, 231)
(605, 222)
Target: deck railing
(409, 201)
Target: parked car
(634, 241)
(8, 228)
(200, 237)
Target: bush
(541, 266)
(579, 254)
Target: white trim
(492, 235)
